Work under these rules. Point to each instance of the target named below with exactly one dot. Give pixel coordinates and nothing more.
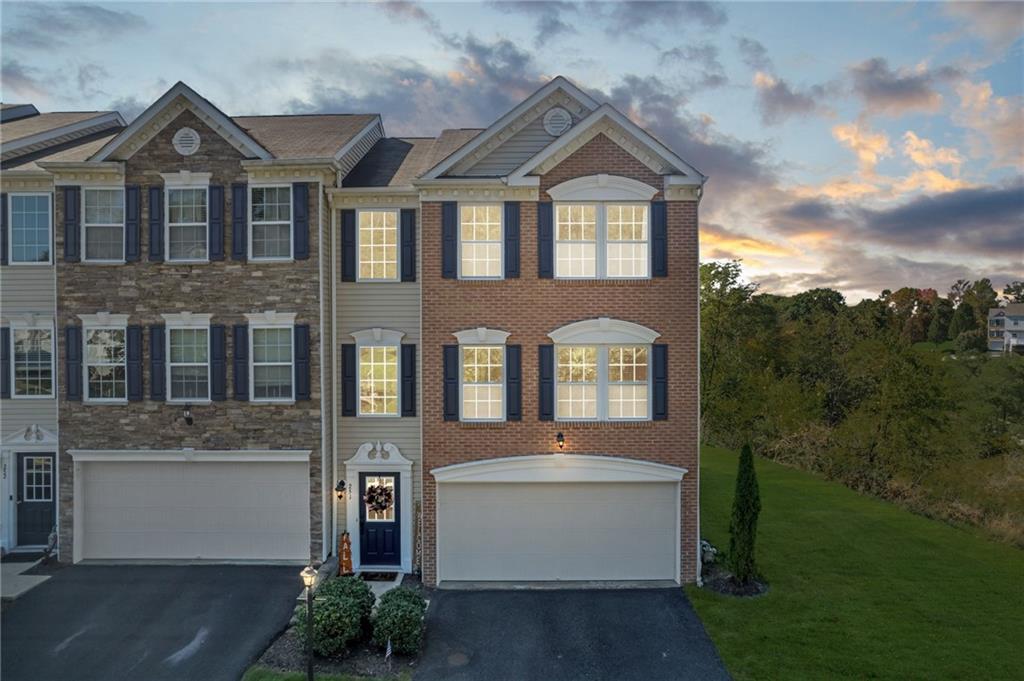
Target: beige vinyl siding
(20, 414)
(27, 288)
(515, 151)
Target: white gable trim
(558, 468)
(602, 188)
(603, 330)
(211, 115)
(374, 128)
(557, 83)
(609, 113)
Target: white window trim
(270, 320)
(601, 239)
(379, 338)
(99, 322)
(187, 320)
(602, 187)
(84, 239)
(291, 224)
(398, 246)
(601, 414)
(34, 323)
(484, 337)
(167, 219)
(501, 238)
(10, 230)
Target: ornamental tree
(746, 506)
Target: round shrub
(400, 621)
(404, 595)
(337, 622)
(352, 588)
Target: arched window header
(602, 188)
(378, 336)
(481, 336)
(603, 330)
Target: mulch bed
(364, 659)
(716, 578)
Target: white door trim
(379, 458)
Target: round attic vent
(186, 141)
(556, 121)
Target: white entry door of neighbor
(230, 511)
(557, 531)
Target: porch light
(560, 440)
(187, 415)
(308, 575)
(340, 489)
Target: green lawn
(265, 674)
(860, 588)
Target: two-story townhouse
(192, 326)
(28, 377)
(1006, 328)
(552, 261)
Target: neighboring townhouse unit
(29, 379)
(1006, 328)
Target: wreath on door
(378, 498)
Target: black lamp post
(308, 575)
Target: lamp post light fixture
(308, 575)
(340, 489)
(560, 440)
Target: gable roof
(77, 151)
(33, 136)
(213, 116)
(557, 83)
(305, 136)
(12, 112)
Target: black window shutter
(73, 362)
(546, 382)
(241, 364)
(545, 240)
(132, 223)
(348, 245)
(239, 222)
(156, 223)
(157, 351)
(218, 363)
(408, 379)
(450, 241)
(348, 379)
(5, 363)
(659, 371)
(300, 221)
(514, 383)
(659, 239)
(134, 361)
(216, 234)
(511, 239)
(4, 257)
(451, 383)
(408, 222)
(72, 224)
(302, 370)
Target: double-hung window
(32, 360)
(187, 225)
(29, 220)
(602, 240)
(106, 369)
(576, 374)
(271, 223)
(378, 353)
(602, 383)
(188, 357)
(483, 382)
(103, 224)
(273, 363)
(480, 241)
(378, 245)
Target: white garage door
(557, 531)
(194, 510)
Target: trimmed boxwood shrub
(351, 587)
(337, 622)
(399, 617)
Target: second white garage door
(557, 531)
(193, 510)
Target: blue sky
(860, 146)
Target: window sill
(34, 263)
(605, 282)
(102, 262)
(270, 260)
(31, 397)
(272, 402)
(608, 425)
(105, 402)
(168, 261)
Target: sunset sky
(856, 146)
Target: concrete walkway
(14, 583)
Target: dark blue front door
(379, 530)
(37, 502)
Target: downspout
(700, 567)
(324, 480)
(334, 369)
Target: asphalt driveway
(146, 622)
(556, 635)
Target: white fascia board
(558, 468)
(223, 123)
(192, 455)
(113, 118)
(376, 125)
(557, 83)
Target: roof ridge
(309, 115)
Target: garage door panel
(557, 531)
(189, 510)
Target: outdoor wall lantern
(340, 489)
(187, 415)
(560, 439)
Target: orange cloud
(869, 146)
(928, 180)
(924, 153)
(720, 242)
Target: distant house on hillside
(1006, 328)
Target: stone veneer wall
(226, 289)
(529, 308)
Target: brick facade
(226, 289)
(529, 308)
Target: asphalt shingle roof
(304, 136)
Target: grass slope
(860, 589)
